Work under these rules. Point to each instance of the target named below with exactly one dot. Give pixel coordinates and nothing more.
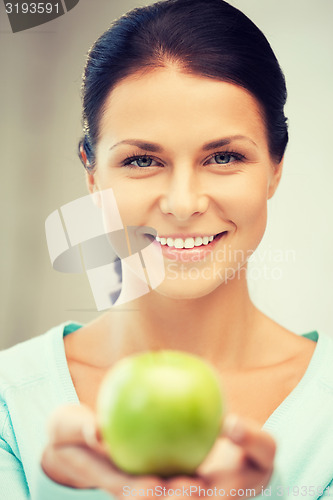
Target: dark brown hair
(209, 38)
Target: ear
(93, 189)
(275, 178)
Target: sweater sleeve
(275, 488)
(13, 484)
(328, 491)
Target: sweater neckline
(271, 423)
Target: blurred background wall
(291, 276)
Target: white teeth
(187, 243)
(178, 243)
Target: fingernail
(234, 428)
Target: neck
(219, 326)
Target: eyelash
(129, 159)
(238, 156)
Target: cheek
(243, 201)
(131, 199)
(132, 204)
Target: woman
(183, 117)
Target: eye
(224, 158)
(140, 161)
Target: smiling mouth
(188, 243)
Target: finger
(183, 486)
(225, 456)
(71, 428)
(102, 473)
(79, 467)
(258, 445)
(146, 487)
(75, 424)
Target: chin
(186, 289)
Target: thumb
(75, 424)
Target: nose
(184, 196)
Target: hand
(241, 459)
(75, 455)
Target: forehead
(166, 103)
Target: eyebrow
(227, 140)
(156, 148)
(144, 145)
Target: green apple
(160, 412)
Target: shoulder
(323, 360)
(302, 425)
(22, 367)
(315, 389)
(28, 360)
(317, 357)
(33, 381)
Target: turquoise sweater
(35, 379)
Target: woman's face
(188, 156)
